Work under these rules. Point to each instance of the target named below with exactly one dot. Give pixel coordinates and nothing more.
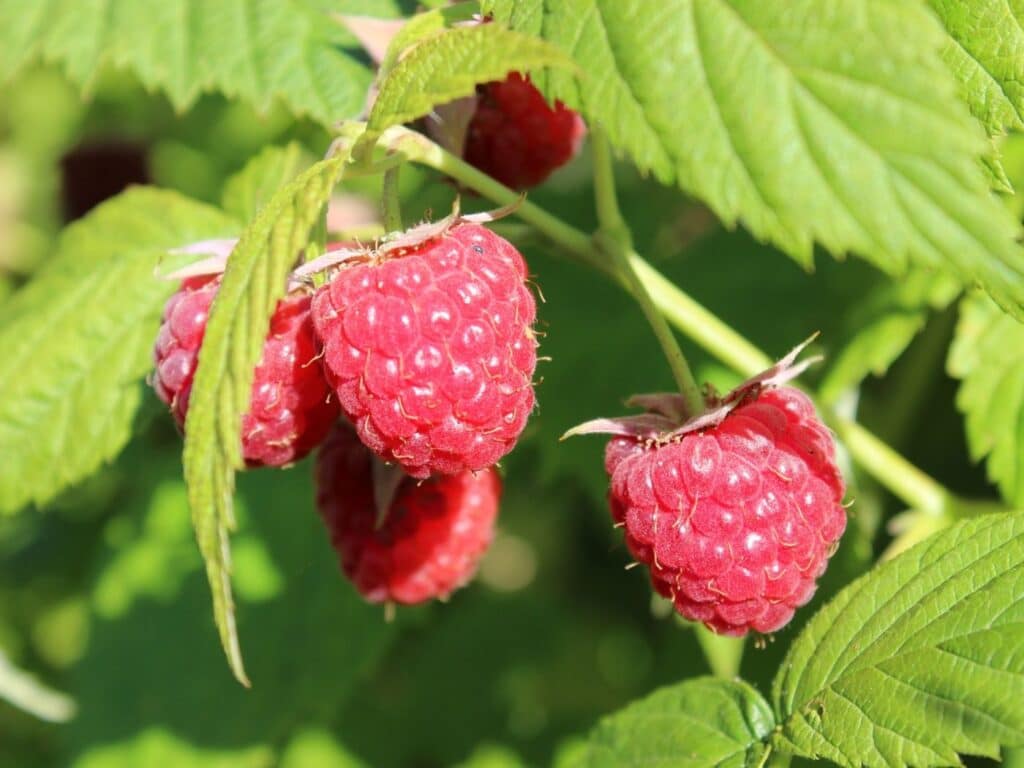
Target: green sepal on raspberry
(735, 512)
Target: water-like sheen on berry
(432, 538)
(516, 137)
(736, 522)
(292, 407)
(432, 352)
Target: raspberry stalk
(613, 228)
(391, 203)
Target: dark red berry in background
(432, 350)
(736, 522)
(292, 407)
(517, 137)
(97, 170)
(430, 541)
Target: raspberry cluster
(428, 348)
(735, 522)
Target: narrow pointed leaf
(254, 280)
(251, 188)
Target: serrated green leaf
(987, 355)
(78, 340)
(248, 191)
(422, 26)
(256, 50)
(702, 722)
(833, 123)
(917, 660)
(986, 53)
(883, 323)
(992, 165)
(449, 66)
(253, 282)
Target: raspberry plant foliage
(864, 126)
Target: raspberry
(291, 409)
(431, 350)
(431, 539)
(516, 137)
(735, 522)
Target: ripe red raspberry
(431, 350)
(736, 522)
(292, 407)
(432, 538)
(516, 137)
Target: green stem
(699, 324)
(915, 488)
(615, 240)
(723, 654)
(391, 203)
(906, 481)
(605, 193)
(420, 149)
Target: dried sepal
(448, 124)
(669, 404)
(644, 426)
(667, 418)
(328, 259)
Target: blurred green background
(102, 596)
